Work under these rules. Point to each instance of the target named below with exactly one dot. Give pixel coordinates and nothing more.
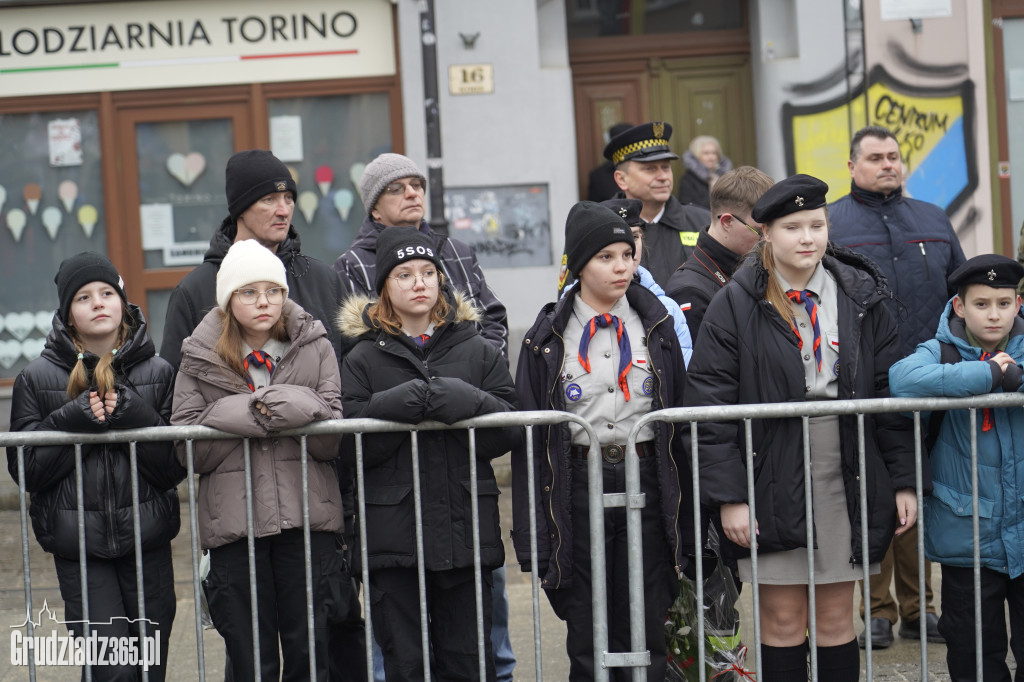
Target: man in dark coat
(261, 200)
(915, 247)
(721, 247)
(643, 171)
(392, 189)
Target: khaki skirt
(831, 523)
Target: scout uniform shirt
(820, 384)
(596, 395)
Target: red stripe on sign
(298, 54)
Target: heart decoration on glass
(186, 168)
(20, 324)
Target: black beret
(628, 210)
(589, 228)
(795, 193)
(645, 142)
(992, 269)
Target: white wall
(522, 133)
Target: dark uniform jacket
(145, 384)
(538, 381)
(693, 189)
(457, 375)
(311, 283)
(748, 354)
(357, 268)
(703, 275)
(913, 244)
(669, 242)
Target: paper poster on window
(157, 223)
(65, 137)
(897, 10)
(286, 137)
(185, 253)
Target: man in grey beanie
(392, 189)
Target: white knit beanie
(246, 262)
(381, 172)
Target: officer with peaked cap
(643, 171)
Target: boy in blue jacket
(983, 325)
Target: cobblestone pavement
(900, 662)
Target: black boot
(783, 663)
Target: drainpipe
(431, 109)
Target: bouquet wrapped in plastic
(724, 653)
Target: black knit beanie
(396, 245)
(252, 174)
(77, 271)
(589, 228)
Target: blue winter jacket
(913, 244)
(947, 512)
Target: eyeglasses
(734, 217)
(396, 188)
(407, 280)
(274, 295)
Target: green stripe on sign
(62, 68)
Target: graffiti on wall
(933, 125)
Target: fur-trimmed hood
(353, 323)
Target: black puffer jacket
(145, 385)
(457, 375)
(538, 380)
(311, 283)
(746, 353)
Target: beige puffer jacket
(304, 388)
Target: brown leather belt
(613, 453)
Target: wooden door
(170, 174)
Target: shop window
(327, 141)
(181, 187)
(599, 18)
(51, 207)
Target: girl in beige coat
(257, 365)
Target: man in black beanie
(261, 196)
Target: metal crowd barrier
(804, 410)
(632, 500)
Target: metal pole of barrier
(250, 527)
(421, 572)
(919, 485)
(699, 564)
(752, 520)
(307, 545)
(598, 574)
(976, 533)
(140, 586)
(812, 602)
(477, 568)
(193, 527)
(26, 567)
(635, 502)
(364, 559)
(864, 550)
(80, 491)
(531, 494)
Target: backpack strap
(948, 355)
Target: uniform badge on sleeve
(573, 392)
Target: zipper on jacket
(551, 510)
(109, 474)
(671, 434)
